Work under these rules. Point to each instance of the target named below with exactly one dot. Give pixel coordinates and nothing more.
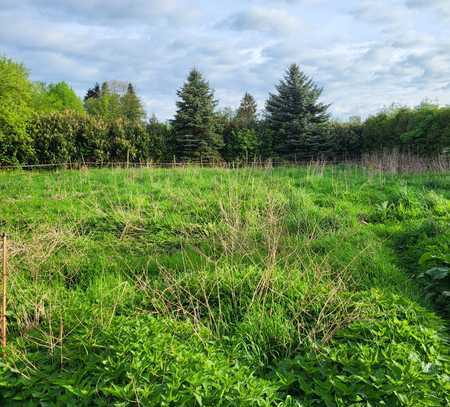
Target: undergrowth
(314, 286)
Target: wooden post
(5, 280)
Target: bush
(62, 137)
(424, 130)
(128, 141)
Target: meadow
(291, 286)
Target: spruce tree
(295, 117)
(132, 108)
(246, 113)
(195, 136)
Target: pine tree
(132, 108)
(246, 113)
(195, 136)
(93, 92)
(295, 117)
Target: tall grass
(197, 285)
(396, 162)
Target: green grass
(189, 286)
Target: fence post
(5, 280)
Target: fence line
(167, 164)
(390, 162)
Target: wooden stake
(5, 281)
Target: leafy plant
(437, 278)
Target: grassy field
(211, 287)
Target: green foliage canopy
(15, 109)
(55, 97)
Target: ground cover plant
(302, 286)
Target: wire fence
(390, 162)
(168, 164)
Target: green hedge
(61, 137)
(424, 130)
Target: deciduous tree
(15, 109)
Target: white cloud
(440, 5)
(365, 54)
(262, 19)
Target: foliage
(55, 97)
(193, 125)
(295, 117)
(346, 139)
(246, 113)
(240, 132)
(142, 360)
(436, 277)
(112, 102)
(15, 109)
(240, 136)
(295, 125)
(77, 137)
(424, 130)
(159, 137)
(241, 145)
(404, 368)
(93, 92)
(280, 287)
(132, 108)
(128, 141)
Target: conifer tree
(132, 108)
(93, 92)
(246, 113)
(295, 117)
(195, 136)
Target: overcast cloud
(366, 54)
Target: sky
(365, 54)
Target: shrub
(61, 137)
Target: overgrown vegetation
(282, 287)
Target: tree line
(49, 123)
